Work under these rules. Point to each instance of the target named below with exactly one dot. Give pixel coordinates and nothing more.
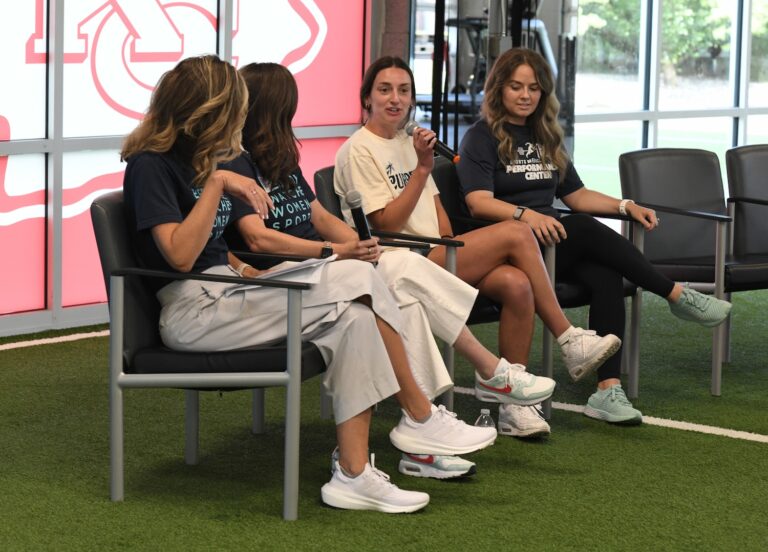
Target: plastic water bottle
(484, 419)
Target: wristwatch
(519, 212)
(327, 250)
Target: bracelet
(241, 269)
(623, 206)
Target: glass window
(311, 39)
(695, 54)
(22, 96)
(597, 150)
(22, 233)
(113, 57)
(758, 71)
(607, 77)
(711, 133)
(757, 129)
(86, 175)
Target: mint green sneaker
(696, 307)
(611, 405)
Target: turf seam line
(661, 422)
(50, 340)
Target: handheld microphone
(355, 203)
(440, 147)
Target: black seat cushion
(162, 360)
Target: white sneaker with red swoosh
(435, 466)
(513, 385)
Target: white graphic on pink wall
(114, 53)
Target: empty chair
(685, 187)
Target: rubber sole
(415, 469)
(406, 443)
(610, 418)
(346, 501)
(608, 348)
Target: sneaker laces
(697, 300)
(516, 375)
(450, 417)
(381, 478)
(617, 395)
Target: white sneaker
(510, 383)
(584, 351)
(442, 434)
(522, 421)
(435, 466)
(371, 490)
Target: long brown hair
(201, 102)
(543, 121)
(267, 135)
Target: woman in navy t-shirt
(513, 165)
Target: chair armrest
(400, 243)
(414, 238)
(255, 257)
(207, 278)
(752, 200)
(688, 212)
(613, 216)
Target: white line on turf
(662, 422)
(49, 340)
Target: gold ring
(370, 250)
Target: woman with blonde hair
(514, 164)
(179, 203)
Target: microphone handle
(361, 223)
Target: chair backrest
(113, 240)
(447, 180)
(325, 192)
(680, 178)
(747, 168)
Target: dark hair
(374, 69)
(201, 104)
(543, 121)
(268, 136)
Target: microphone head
(354, 200)
(410, 126)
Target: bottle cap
(485, 411)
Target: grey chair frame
(633, 170)
(103, 210)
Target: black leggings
(598, 257)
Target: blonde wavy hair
(202, 102)
(543, 121)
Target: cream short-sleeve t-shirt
(379, 169)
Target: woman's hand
(246, 189)
(548, 230)
(424, 143)
(366, 250)
(645, 216)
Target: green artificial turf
(590, 486)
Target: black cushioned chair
(569, 294)
(138, 359)
(685, 187)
